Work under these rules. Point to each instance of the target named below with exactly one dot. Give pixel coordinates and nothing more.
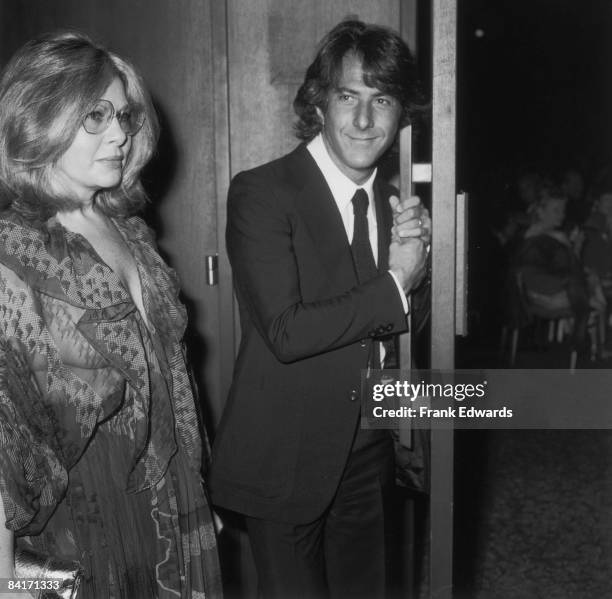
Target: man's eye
(385, 101)
(345, 98)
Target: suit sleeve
(263, 257)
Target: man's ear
(320, 115)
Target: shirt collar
(342, 188)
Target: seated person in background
(514, 216)
(573, 187)
(597, 248)
(547, 257)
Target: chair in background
(528, 309)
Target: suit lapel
(320, 214)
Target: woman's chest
(113, 250)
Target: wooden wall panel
(271, 42)
(170, 42)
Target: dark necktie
(365, 266)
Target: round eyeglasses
(99, 118)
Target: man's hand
(407, 261)
(410, 220)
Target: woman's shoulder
(544, 238)
(137, 228)
(21, 240)
(13, 220)
(41, 254)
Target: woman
(100, 453)
(547, 259)
(597, 249)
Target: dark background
(534, 91)
(535, 86)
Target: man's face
(360, 122)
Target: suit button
(354, 395)
(363, 343)
(389, 327)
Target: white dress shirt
(343, 190)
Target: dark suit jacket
(307, 331)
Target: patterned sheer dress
(100, 445)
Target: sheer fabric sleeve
(32, 478)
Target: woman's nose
(115, 133)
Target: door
(445, 294)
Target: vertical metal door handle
(212, 269)
(461, 265)
(405, 340)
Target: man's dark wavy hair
(387, 64)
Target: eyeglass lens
(99, 118)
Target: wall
(271, 43)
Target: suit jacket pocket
(257, 446)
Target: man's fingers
(414, 227)
(408, 215)
(399, 206)
(401, 233)
(411, 220)
(395, 202)
(410, 202)
(415, 212)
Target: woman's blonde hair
(45, 90)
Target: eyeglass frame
(113, 114)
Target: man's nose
(363, 118)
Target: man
(318, 280)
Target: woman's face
(95, 161)
(552, 213)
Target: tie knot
(360, 202)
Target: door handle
(461, 264)
(212, 269)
